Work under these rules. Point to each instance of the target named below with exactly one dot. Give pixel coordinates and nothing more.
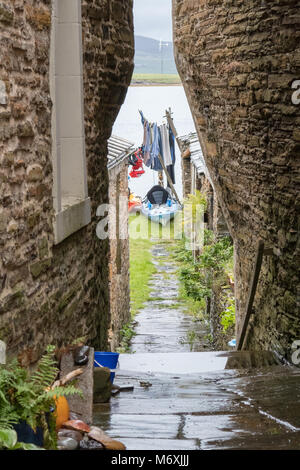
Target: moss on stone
(40, 267)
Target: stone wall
(119, 253)
(237, 61)
(53, 294)
(221, 291)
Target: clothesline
(158, 140)
(158, 150)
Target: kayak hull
(162, 214)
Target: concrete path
(186, 400)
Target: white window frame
(70, 193)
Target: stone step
(195, 362)
(212, 408)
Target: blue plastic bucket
(107, 359)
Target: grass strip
(155, 79)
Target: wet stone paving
(186, 397)
(163, 324)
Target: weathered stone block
(19, 110)
(25, 130)
(40, 267)
(82, 407)
(296, 135)
(12, 301)
(39, 17)
(102, 385)
(280, 80)
(33, 220)
(34, 172)
(43, 248)
(19, 275)
(12, 226)
(3, 93)
(238, 80)
(211, 149)
(8, 159)
(235, 28)
(3, 221)
(66, 299)
(6, 13)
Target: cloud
(153, 19)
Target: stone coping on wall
(71, 219)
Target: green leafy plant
(212, 268)
(191, 337)
(228, 315)
(197, 276)
(126, 334)
(194, 201)
(9, 441)
(30, 397)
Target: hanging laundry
(146, 147)
(147, 142)
(165, 144)
(171, 171)
(158, 140)
(172, 145)
(155, 149)
(171, 168)
(137, 164)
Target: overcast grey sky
(153, 19)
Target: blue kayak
(159, 205)
(162, 213)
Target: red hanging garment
(137, 164)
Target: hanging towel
(166, 144)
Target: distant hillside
(150, 57)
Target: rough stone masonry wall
(53, 294)
(119, 254)
(237, 60)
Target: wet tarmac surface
(186, 400)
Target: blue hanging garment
(142, 117)
(155, 146)
(156, 165)
(172, 145)
(171, 168)
(147, 147)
